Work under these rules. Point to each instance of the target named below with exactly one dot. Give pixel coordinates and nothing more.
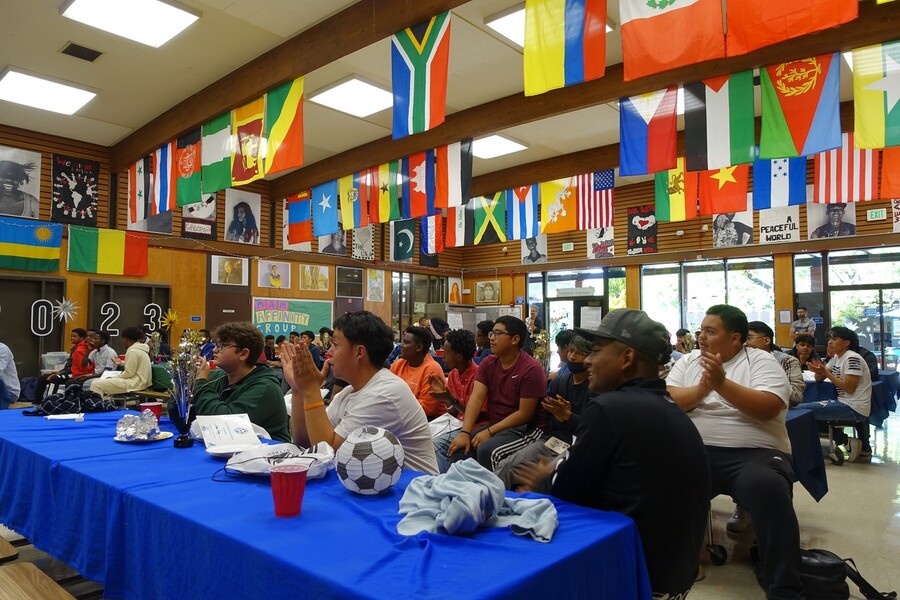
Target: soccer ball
(370, 460)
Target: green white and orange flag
(876, 95)
(247, 133)
(284, 127)
(215, 152)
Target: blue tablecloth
(148, 521)
(884, 395)
(806, 452)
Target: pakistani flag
(215, 155)
(403, 235)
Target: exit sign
(568, 246)
(876, 214)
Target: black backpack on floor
(824, 575)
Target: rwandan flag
(29, 245)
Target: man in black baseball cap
(635, 451)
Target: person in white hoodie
(137, 374)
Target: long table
(806, 452)
(884, 395)
(149, 521)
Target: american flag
(846, 174)
(595, 199)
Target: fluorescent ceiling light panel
(150, 22)
(35, 91)
(511, 25)
(494, 146)
(355, 97)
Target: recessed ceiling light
(39, 92)
(511, 24)
(355, 97)
(494, 146)
(150, 22)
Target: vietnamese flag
(724, 190)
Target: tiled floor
(858, 518)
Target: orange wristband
(313, 405)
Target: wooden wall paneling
(783, 265)
(633, 286)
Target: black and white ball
(370, 460)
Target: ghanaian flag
(29, 245)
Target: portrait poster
(781, 224)
(198, 220)
(374, 285)
(363, 243)
(314, 278)
(20, 194)
(601, 242)
(642, 230)
(895, 213)
(734, 228)
(242, 216)
(534, 250)
(830, 220)
(230, 270)
(336, 243)
(274, 274)
(75, 195)
(278, 316)
(487, 292)
(454, 290)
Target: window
(566, 284)
(349, 282)
(704, 286)
(615, 287)
(751, 287)
(661, 294)
(864, 267)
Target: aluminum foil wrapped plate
(139, 429)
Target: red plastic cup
(212, 365)
(288, 485)
(154, 407)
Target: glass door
(874, 314)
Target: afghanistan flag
(187, 168)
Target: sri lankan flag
(676, 194)
(247, 130)
(284, 127)
(29, 245)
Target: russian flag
(164, 178)
(647, 128)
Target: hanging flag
(522, 219)
(723, 191)
(387, 207)
(367, 184)
(284, 127)
(460, 226)
(432, 234)
(647, 131)
(352, 212)
(800, 107)
(846, 174)
(719, 122)
(247, 131)
(418, 184)
(595, 199)
(215, 152)
(753, 24)
(883, 1)
(403, 239)
(164, 179)
(676, 193)
(565, 43)
(107, 251)
(187, 167)
(419, 59)
(490, 219)
(890, 173)
(658, 35)
(140, 189)
(559, 202)
(876, 95)
(27, 245)
(325, 208)
(299, 214)
(779, 182)
(453, 174)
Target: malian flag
(800, 107)
(595, 199)
(753, 24)
(719, 122)
(559, 205)
(164, 179)
(658, 35)
(140, 189)
(565, 43)
(247, 132)
(676, 193)
(187, 167)
(890, 173)
(779, 182)
(387, 208)
(284, 127)
(453, 174)
(107, 251)
(299, 217)
(522, 218)
(876, 95)
(724, 190)
(846, 174)
(460, 226)
(647, 132)
(419, 59)
(418, 184)
(432, 234)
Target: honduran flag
(565, 43)
(647, 132)
(779, 182)
(164, 177)
(522, 217)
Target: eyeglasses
(498, 333)
(220, 346)
(754, 336)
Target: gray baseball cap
(636, 329)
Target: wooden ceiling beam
(352, 29)
(875, 24)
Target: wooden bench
(24, 580)
(153, 396)
(8, 552)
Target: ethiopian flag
(876, 95)
(107, 251)
(284, 127)
(29, 245)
